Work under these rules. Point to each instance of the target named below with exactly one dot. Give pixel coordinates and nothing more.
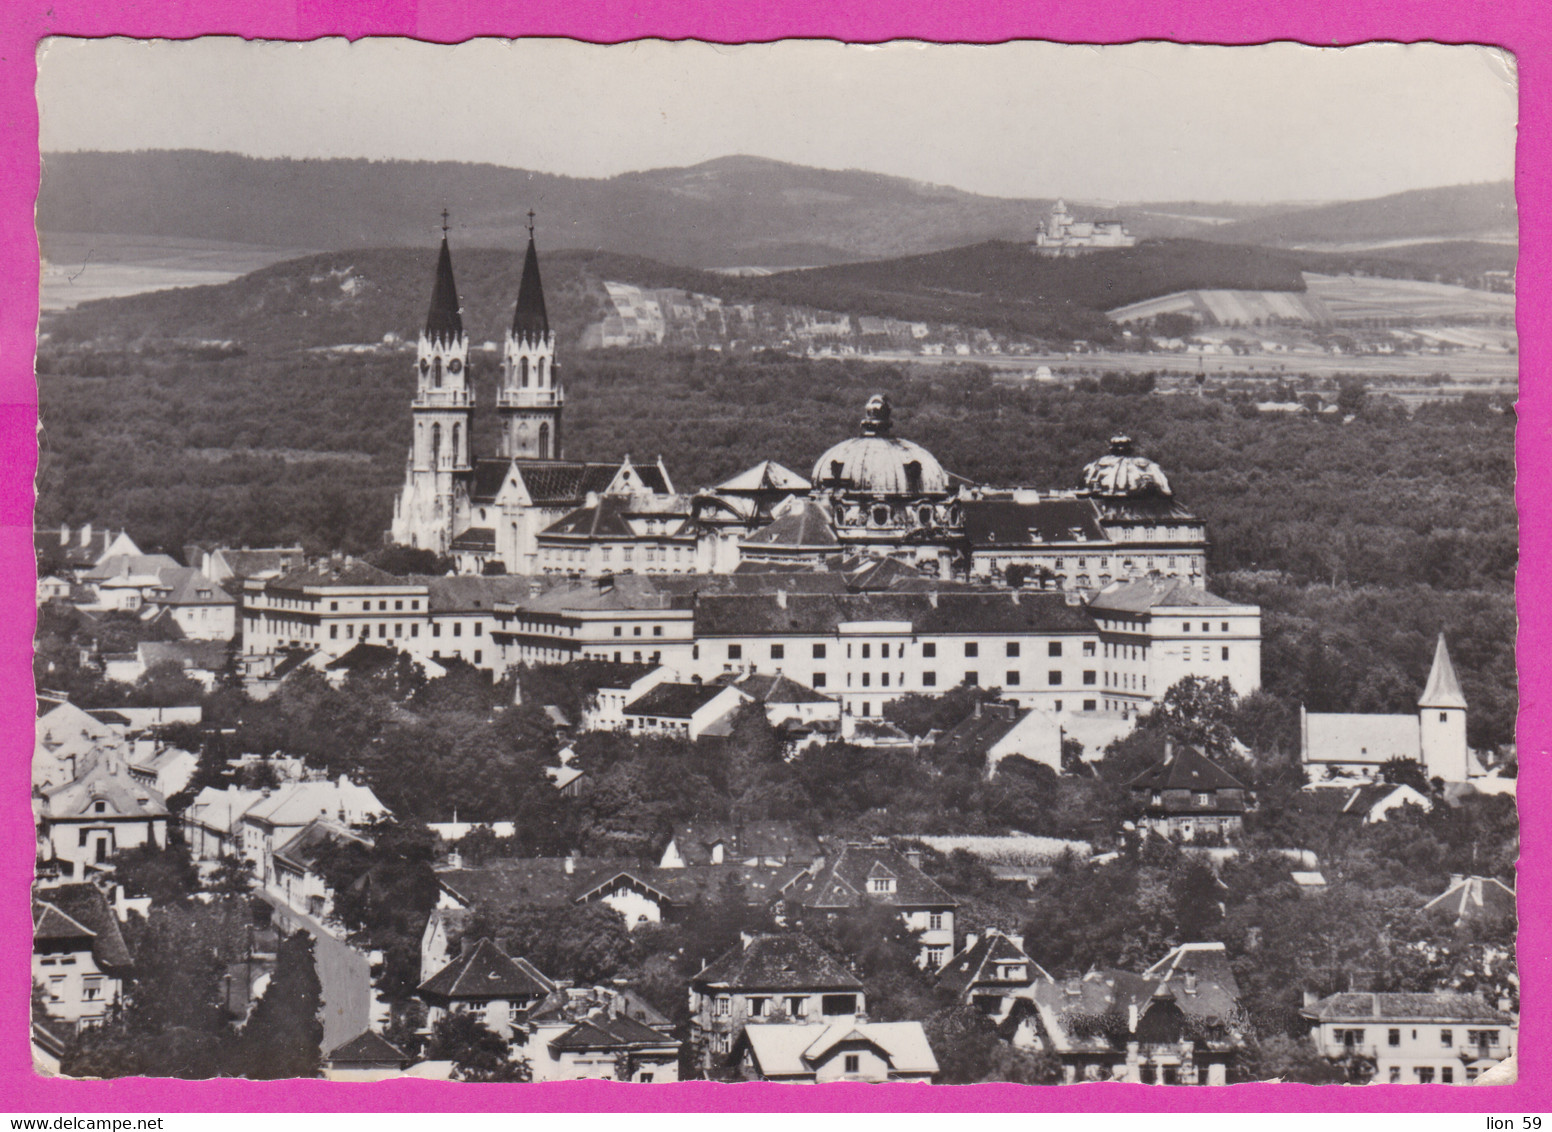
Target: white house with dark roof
(1435, 737)
(1188, 795)
(281, 814)
(83, 823)
(1445, 1038)
(688, 710)
(999, 731)
(487, 982)
(851, 872)
(598, 1033)
(841, 1049)
(78, 954)
(991, 972)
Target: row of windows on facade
(478, 629)
(650, 554)
(796, 1006)
(929, 650)
(1138, 627)
(1475, 1039)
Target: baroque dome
(876, 463)
(1121, 473)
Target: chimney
(1018, 941)
(913, 856)
(978, 706)
(971, 939)
(1131, 1018)
(1190, 982)
(746, 939)
(86, 534)
(1506, 1004)
(64, 534)
(1310, 999)
(1456, 879)
(571, 864)
(455, 860)
(781, 599)
(933, 598)
(1169, 748)
(1015, 596)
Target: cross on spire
(444, 224)
(530, 223)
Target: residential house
(992, 972)
(854, 871)
(994, 732)
(226, 564)
(201, 661)
(1474, 901)
(199, 606)
(65, 740)
(297, 880)
(488, 982)
(1370, 801)
(840, 1049)
(366, 1057)
(1446, 1038)
(1188, 795)
(688, 710)
(285, 811)
(83, 823)
(212, 824)
(619, 685)
(165, 770)
(755, 843)
(600, 1033)
(1178, 1024)
(53, 588)
(789, 704)
(82, 549)
(768, 977)
(78, 954)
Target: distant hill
(1458, 212)
(1003, 286)
(728, 212)
(359, 296)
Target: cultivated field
(78, 267)
(1352, 297)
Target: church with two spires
(483, 509)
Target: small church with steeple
(491, 509)
(1435, 737)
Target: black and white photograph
(796, 562)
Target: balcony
(444, 399)
(530, 398)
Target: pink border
(1518, 25)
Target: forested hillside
(1453, 212)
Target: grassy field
(1351, 297)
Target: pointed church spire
(443, 320)
(530, 319)
(1443, 690)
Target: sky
(1138, 122)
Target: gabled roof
(979, 965)
(842, 881)
(366, 1048)
(1186, 769)
(600, 1031)
(303, 851)
(1443, 1006)
(674, 701)
(1442, 690)
(1005, 523)
(776, 688)
(444, 320)
(743, 840)
(247, 563)
(1211, 989)
(1364, 798)
(87, 908)
(1474, 899)
(980, 731)
(297, 803)
(119, 565)
(796, 1049)
(107, 781)
(486, 972)
(805, 526)
(530, 319)
(767, 475)
(187, 586)
(1142, 594)
(364, 658)
(1350, 737)
(790, 961)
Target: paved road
(343, 972)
